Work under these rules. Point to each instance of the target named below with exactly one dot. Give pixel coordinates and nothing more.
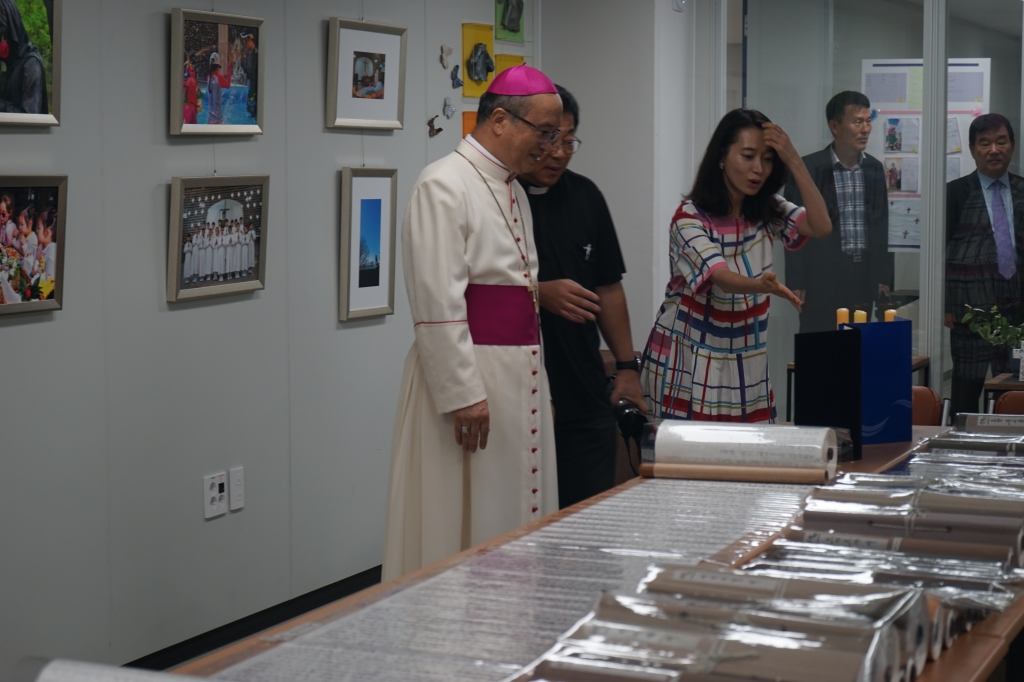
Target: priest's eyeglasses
(547, 137)
(571, 146)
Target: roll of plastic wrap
(716, 448)
(937, 632)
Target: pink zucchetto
(521, 81)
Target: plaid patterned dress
(707, 355)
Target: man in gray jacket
(851, 268)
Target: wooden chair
(1011, 402)
(926, 409)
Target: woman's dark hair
(709, 191)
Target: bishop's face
(531, 137)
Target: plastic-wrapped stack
(719, 624)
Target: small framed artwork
(508, 20)
(366, 282)
(216, 74)
(217, 241)
(32, 212)
(365, 75)
(30, 47)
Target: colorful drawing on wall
(31, 237)
(366, 278)
(30, 61)
(365, 75)
(473, 35)
(218, 236)
(508, 20)
(368, 75)
(215, 76)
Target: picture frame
(48, 49)
(217, 236)
(366, 273)
(38, 202)
(198, 67)
(362, 90)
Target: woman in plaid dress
(707, 355)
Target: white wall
(117, 405)
(628, 64)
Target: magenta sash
(501, 315)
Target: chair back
(926, 407)
(1011, 402)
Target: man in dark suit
(851, 267)
(984, 238)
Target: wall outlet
(215, 495)
(237, 479)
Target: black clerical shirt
(575, 240)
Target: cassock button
(535, 372)
(526, 274)
(533, 411)
(533, 430)
(524, 257)
(534, 491)
(533, 450)
(515, 220)
(534, 390)
(534, 510)
(534, 470)
(518, 239)
(534, 352)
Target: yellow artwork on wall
(471, 35)
(507, 61)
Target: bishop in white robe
(475, 373)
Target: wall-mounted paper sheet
(904, 223)
(954, 143)
(952, 167)
(902, 174)
(886, 88)
(965, 86)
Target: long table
(482, 614)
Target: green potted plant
(993, 327)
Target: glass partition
(799, 54)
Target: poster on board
(896, 90)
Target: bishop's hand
(472, 426)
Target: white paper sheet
(952, 167)
(954, 143)
(965, 86)
(904, 223)
(885, 88)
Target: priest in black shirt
(580, 292)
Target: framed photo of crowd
(365, 75)
(32, 212)
(216, 74)
(30, 47)
(366, 278)
(217, 241)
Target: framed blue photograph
(366, 279)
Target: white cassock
(464, 269)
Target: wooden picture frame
(369, 199)
(239, 112)
(205, 211)
(363, 90)
(43, 280)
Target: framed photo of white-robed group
(217, 241)
(366, 279)
(365, 75)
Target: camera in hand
(630, 420)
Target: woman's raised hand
(777, 138)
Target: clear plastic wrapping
(740, 452)
(628, 637)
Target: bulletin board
(896, 90)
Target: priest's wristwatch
(633, 364)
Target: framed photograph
(365, 75)
(216, 74)
(32, 210)
(30, 46)
(366, 282)
(217, 241)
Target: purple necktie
(1001, 228)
